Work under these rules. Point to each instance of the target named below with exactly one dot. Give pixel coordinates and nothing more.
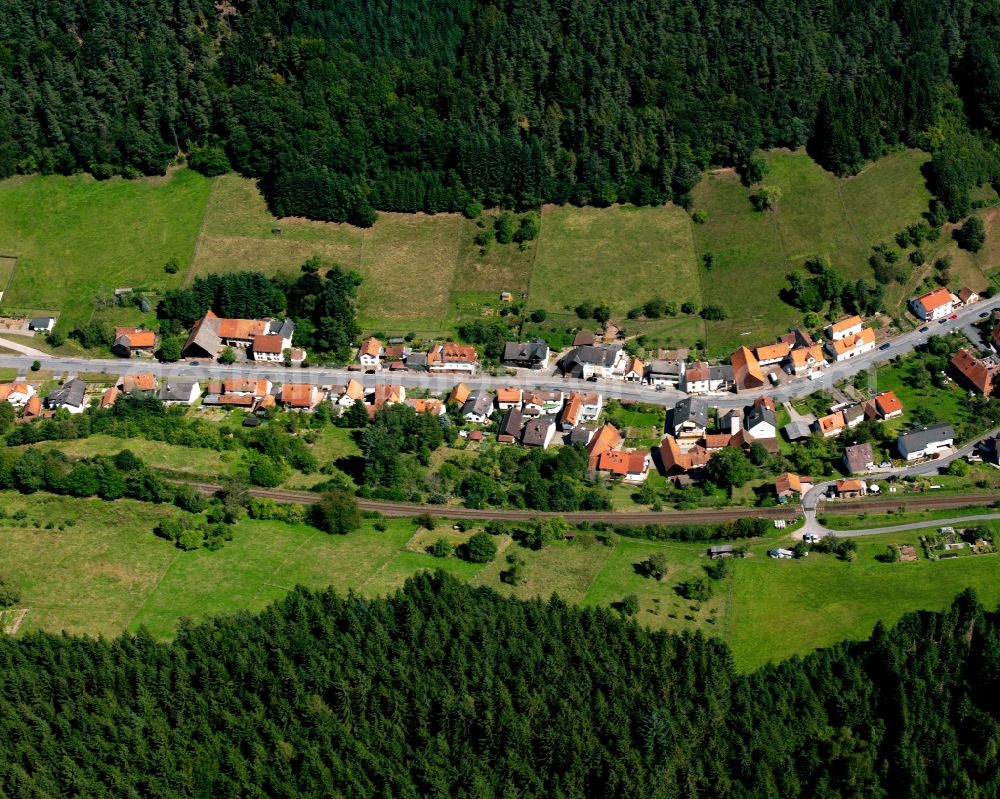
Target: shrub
(480, 548)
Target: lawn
(621, 255)
(76, 237)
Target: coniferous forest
(343, 107)
(443, 690)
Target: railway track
(702, 516)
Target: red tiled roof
(934, 299)
(298, 395)
(371, 346)
(273, 345)
(244, 329)
(887, 402)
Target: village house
(385, 394)
(131, 341)
(832, 425)
(370, 353)
(847, 347)
(179, 392)
(139, 383)
(459, 394)
(806, 360)
(630, 467)
(16, 394)
(967, 296)
(925, 441)
(211, 333)
(700, 378)
(270, 348)
(635, 371)
(510, 426)
(859, 458)
(886, 405)
(975, 373)
(844, 328)
(42, 324)
(71, 396)
(668, 374)
(544, 401)
(674, 460)
(854, 415)
(432, 407)
(851, 488)
(33, 408)
(788, 486)
(478, 407)
(585, 362)
(451, 357)
(540, 432)
(933, 305)
(608, 438)
(760, 421)
(109, 397)
(508, 398)
(527, 355)
(772, 353)
(351, 393)
(747, 374)
(689, 421)
(237, 392)
(300, 396)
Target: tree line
(344, 109)
(446, 690)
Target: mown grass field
(76, 237)
(106, 572)
(620, 255)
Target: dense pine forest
(449, 691)
(343, 107)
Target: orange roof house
(33, 407)
(371, 348)
(746, 370)
(241, 329)
(459, 394)
(239, 385)
(786, 484)
(109, 397)
(608, 438)
(137, 339)
(926, 305)
(675, 460)
(572, 410)
(831, 425)
(622, 464)
(354, 390)
(145, 381)
(299, 395)
(888, 405)
(840, 327)
(977, 373)
(842, 346)
(388, 394)
(772, 353)
(429, 406)
(509, 396)
(272, 345)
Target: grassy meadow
(75, 237)
(105, 572)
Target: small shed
(251, 421)
(723, 551)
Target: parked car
(984, 314)
(953, 316)
(924, 329)
(885, 346)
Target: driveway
(29, 351)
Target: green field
(621, 255)
(818, 214)
(76, 237)
(106, 572)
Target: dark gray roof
(536, 431)
(852, 412)
(41, 321)
(581, 434)
(758, 414)
(71, 393)
(796, 430)
(512, 422)
(573, 361)
(205, 336)
(664, 368)
(919, 439)
(176, 390)
(721, 373)
(480, 403)
(281, 327)
(536, 350)
(690, 410)
(417, 360)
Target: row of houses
(261, 340)
(449, 357)
(882, 407)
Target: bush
(336, 512)
(210, 160)
(441, 549)
(697, 589)
(654, 566)
(171, 267)
(629, 605)
(480, 548)
(9, 595)
(972, 235)
(36, 365)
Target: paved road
(30, 352)
(899, 528)
(616, 389)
